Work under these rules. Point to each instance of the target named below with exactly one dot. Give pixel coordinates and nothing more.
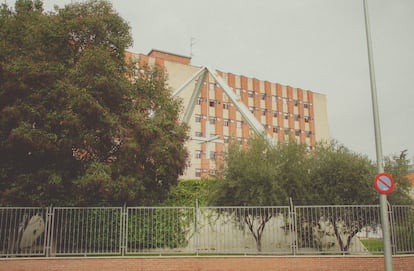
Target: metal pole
(378, 145)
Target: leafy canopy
(264, 174)
(79, 125)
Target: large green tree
(78, 124)
(263, 174)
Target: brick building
(221, 105)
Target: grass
(374, 246)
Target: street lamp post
(378, 144)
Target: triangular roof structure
(199, 77)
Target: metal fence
(86, 231)
(285, 230)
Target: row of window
(275, 129)
(252, 93)
(226, 105)
(203, 171)
(213, 154)
(239, 123)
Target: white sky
(318, 45)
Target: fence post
(196, 219)
(292, 227)
(48, 230)
(392, 229)
(124, 229)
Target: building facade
(219, 106)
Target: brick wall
(209, 263)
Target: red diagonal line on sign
(384, 183)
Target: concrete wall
(243, 263)
(321, 117)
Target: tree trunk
(338, 236)
(259, 244)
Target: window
(306, 104)
(212, 103)
(251, 109)
(198, 172)
(250, 93)
(212, 120)
(225, 105)
(211, 86)
(286, 116)
(298, 132)
(200, 100)
(226, 122)
(306, 118)
(263, 96)
(198, 154)
(264, 112)
(226, 139)
(239, 123)
(275, 129)
(308, 133)
(274, 114)
(296, 102)
(199, 134)
(212, 172)
(297, 117)
(213, 155)
(198, 118)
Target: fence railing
(119, 231)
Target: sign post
(383, 197)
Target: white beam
(195, 95)
(241, 107)
(183, 86)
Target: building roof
(169, 56)
(410, 176)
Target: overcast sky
(318, 45)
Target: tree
(261, 175)
(342, 177)
(78, 124)
(397, 166)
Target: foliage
(265, 174)
(235, 187)
(87, 230)
(260, 175)
(340, 176)
(397, 166)
(186, 192)
(403, 224)
(159, 228)
(74, 128)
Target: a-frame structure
(199, 77)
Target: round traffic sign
(383, 183)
